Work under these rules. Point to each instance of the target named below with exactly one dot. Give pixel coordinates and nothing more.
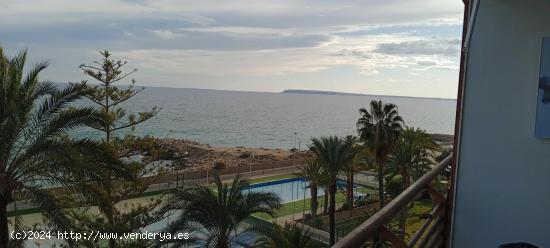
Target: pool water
(289, 190)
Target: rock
(245, 155)
(219, 165)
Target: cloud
(261, 13)
(166, 34)
(192, 39)
(426, 63)
(420, 47)
(219, 63)
(361, 52)
(354, 53)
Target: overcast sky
(390, 47)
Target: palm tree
(413, 154)
(411, 159)
(333, 154)
(215, 214)
(287, 236)
(34, 147)
(354, 165)
(313, 172)
(379, 127)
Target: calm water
(293, 189)
(253, 119)
(288, 190)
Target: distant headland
(322, 92)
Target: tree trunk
(222, 243)
(403, 217)
(314, 201)
(349, 191)
(110, 213)
(350, 188)
(110, 219)
(4, 233)
(332, 210)
(325, 202)
(381, 196)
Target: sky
(383, 47)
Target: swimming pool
(289, 190)
(293, 189)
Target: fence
(181, 178)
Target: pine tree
(108, 193)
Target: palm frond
(218, 212)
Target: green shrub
(393, 186)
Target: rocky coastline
(188, 155)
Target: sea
(270, 120)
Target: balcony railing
(430, 234)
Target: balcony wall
(503, 178)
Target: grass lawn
(414, 220)
(367, 190)
(298, 206)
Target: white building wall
(503, 186)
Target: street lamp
(295, 135)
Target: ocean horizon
(228, 118)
